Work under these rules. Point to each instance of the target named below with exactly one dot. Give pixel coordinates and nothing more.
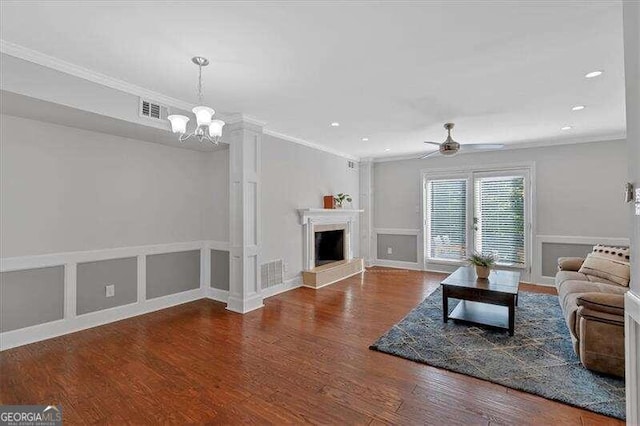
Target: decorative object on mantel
(483, 263)
(341, 198)
(329, 202)
(206, 129)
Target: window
(499, 223)
(447, 211)
(483, 211)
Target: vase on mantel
(483, 272)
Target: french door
(485, 211)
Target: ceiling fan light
(215, 128)
(203, 115)
(178, 123)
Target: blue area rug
(538, 359)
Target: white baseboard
(281, 288)
(414, 266)
(632, 356)
(217, 294)
(23, 336)
(243, 306)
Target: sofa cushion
(570, 290)
(607, 303)
(563, 276)
(611, 263)
(570, 263)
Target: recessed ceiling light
(387, 149)
(578, 108)
(567, 128)
(593, 74)
(365, 139)
(335, 124)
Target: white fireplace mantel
(327, 215)
(310, 218)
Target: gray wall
(170, 273)
(577, 188)
(215, 215)
(66, 189)
(220, 269)
(404, 247)
(31, 297)
(294, 177)
(93, 277)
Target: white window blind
(447, 217)
(499, 218)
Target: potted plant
(483, 263)
(341, 198)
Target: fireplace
(329, 246)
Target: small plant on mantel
(341, 198)
(483, 263)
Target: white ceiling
(504, 72)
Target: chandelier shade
(203, 115)
(215, 128)
(207, 128)
(178, 123)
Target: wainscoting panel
(550, 253)
(58, 289)
(405, 247)
(220, 270)
(93, 277)
(549, 248)
(171, 273)
(31, 297)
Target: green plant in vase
(483, 263)
(341, 198)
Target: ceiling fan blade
(481, 146)
(430, 154)
(432, 143)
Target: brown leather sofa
(593, 308)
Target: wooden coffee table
(490, 301)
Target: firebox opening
(329, 246)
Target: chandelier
(207, 128)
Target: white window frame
(526, 169)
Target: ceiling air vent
(152, 110)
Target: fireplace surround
(332, 232)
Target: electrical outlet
(110, 290)
(389, 250)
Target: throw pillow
(610, 263)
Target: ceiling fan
(450, 147)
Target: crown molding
(239, 117)
(45, 60)
(616, 137)
(54, 63)
(310, 145)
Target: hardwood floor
(303, 358)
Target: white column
(245, 140)
(366, 219)
(631, 22)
